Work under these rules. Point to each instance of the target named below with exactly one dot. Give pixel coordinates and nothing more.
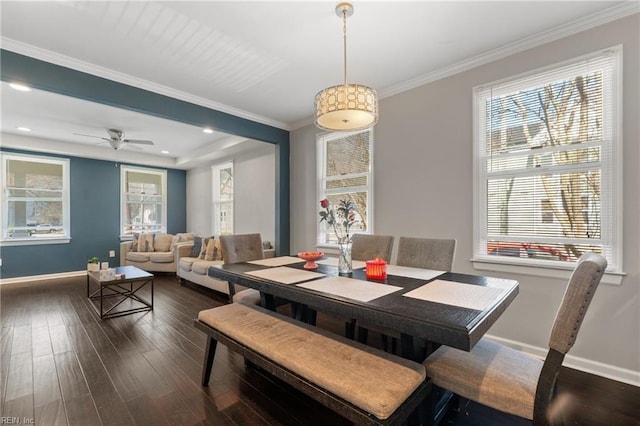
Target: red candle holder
(376, 269)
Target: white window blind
(547, 166)
(345, 172)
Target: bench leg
(209, 354)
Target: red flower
(324, 203)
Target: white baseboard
(70, 274)
(594, 367)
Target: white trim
(89, 68)
(593, 367)
(36, 278)
(555, 271)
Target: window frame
(610, 166)
(5, 240)
(321, 155)
(123, 198)
(216, 197)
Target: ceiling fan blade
(91, 136)
(138, 141)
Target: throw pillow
(211, 249)
(134, 244)
(162, 242)
(142, 242)
(197, 247)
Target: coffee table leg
(101, 299)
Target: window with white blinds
(547, 164)
(345, 172)
(143, 200)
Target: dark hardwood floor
(60, 364)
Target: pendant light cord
(344, 30)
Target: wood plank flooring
(61, 365)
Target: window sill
(34, 241)
(513, 266)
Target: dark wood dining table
(422, 324)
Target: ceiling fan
(116, 139)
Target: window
(222, 199)
(35, 199)
(345, 172)
(547, 165)
(143, 200)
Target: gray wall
(254, 194)
(423, 188)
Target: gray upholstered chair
(425, 253)
(242, 248)
(512, 381)
(368, 247)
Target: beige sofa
(195, 270)
(154, 252)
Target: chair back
(368, 247)
(241, 248)
(582, 285)
(426, 253)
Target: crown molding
(86, 67)
(611, 14)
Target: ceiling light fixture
(19, 86)
(24, 129)
(207, 130)
(346, 107)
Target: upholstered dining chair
(512, 381)
(242, 248)
(425, 253)
(368, 247)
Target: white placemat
(456, 294)
(284, 275)
(277, 261)
(333, 261)
(405, 271)
(363, 291)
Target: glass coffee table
(120, 292)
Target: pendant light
(346, 107)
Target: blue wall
(95, 221)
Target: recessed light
(207, 130)
(19, 86)
(164, 152)
(24, 129)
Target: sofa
(194, 258)
(154, 252)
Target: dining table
(426, 308)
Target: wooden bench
(363, 384)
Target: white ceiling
(261, 60)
